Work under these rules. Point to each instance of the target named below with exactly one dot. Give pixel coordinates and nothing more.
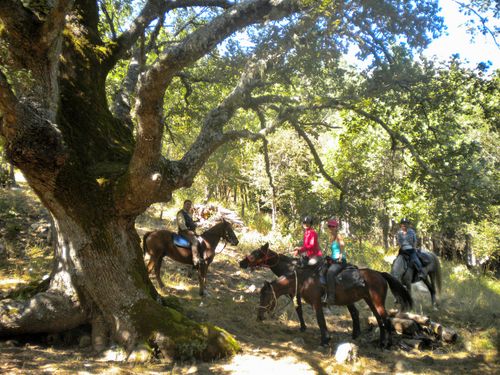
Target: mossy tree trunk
(95, 175)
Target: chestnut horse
(160, 243)
(304, 283)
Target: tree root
(46, 312)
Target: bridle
(226, 238)
(275, 299)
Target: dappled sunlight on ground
(254, 364)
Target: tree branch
(146, 156)
(109, 19)
(394, 135)
(152, 10)
(482, 19)
(314, 153)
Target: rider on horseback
(407, 240)
(338, 260)
(310, 250)
(186, 227)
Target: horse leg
(320, 317)
(383, 321)
(157, 268)
(202, 275)
(432, 290)
(298, 309)
(356, 329)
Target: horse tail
(399, 291)
(144, 246)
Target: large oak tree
(97, 166)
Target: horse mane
(214, 227)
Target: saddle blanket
(181, 241)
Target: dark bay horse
(304, 282)
(264, 257)
(406, 274)
(160, 243)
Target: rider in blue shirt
(407, 240)
(336, 250)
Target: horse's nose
(243, 264)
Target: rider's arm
(341, 245)
(311, 241)
(181, 223)
(413, 239)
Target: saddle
(424, 257)
(350, 277)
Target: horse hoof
(303, 329)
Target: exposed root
(46, 312)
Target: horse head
(267, 301)
(228, 233)
(258, 258)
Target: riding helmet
(332, 223)
(404, 221)
(307, 220)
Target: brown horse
(160, 243)
(304, 283)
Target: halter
(266, 258)
(276, 299)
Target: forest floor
(469, 304)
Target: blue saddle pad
(181, 241)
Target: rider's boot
(422, 274)
(324, 297)
(196, 256)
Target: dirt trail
(274, 346)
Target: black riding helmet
(307, 220)
(404, 221)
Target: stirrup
(324, 298)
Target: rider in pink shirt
(310, 248)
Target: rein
(221, 236)
(225, 243)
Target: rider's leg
(322, 280)
(416, 261)
(194, 247)
(332, 273)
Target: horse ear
(265, 246)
